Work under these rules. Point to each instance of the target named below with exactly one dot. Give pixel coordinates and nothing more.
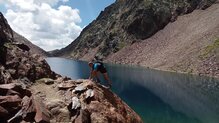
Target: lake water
(157, 96)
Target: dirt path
(47, 92)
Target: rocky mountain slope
(31, 92)
(33, 48)
(20, 39)
(128, 23)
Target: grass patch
(209, 49)
(121, 45)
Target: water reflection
(158, 97)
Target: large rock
(42, 113)
(28, 108)
(84, 117)
(14, 88)
(10, 101)
(93, 103)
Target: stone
(65, 85)
(79, 81)
(25, 82)
(42, 114)
(28, 108)
(79, 88)
(10, 101)
(84, 117)
(75, 103)
(15, 87)
(89, 93)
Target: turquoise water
(157, 96)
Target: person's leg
(106, 77)
(97, 78)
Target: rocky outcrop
(17, 104)
(84, 101)
(31, 92)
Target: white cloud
(37, 20)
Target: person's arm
(93, 73)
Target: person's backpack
(99, 62)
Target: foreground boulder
(84, 102)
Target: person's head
(90, 64)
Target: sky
(51, 24)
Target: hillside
(33, 48)
(152, 33)
(18, 39)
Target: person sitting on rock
(97, 67)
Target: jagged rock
(42, 114)
(79, 88)
(5, 77)
(28, 108)
(79, 81)
(84, 117)
(89, 93)
(66, 85)
(14, 88)
(75, 103)
(25, 82)
(10, 102)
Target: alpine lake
(157, 96)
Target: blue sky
(89, 9)
(51, 24)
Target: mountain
(163, 35)
(17, 38)
(33, 48)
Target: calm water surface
(157, 96)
